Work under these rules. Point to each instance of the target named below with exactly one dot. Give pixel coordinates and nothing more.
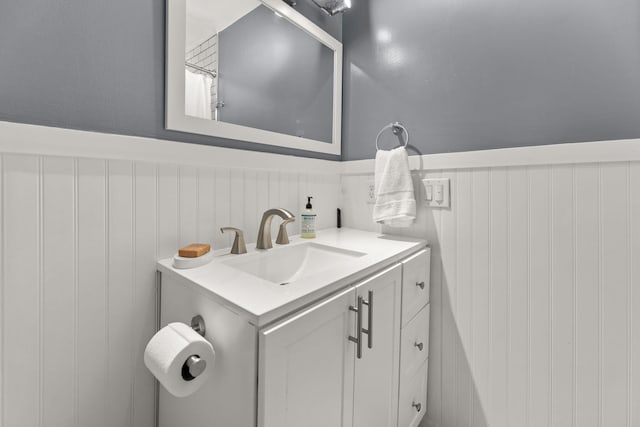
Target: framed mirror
(253, 70)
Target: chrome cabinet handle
(369, 330)
(358, 338)
(419, 345)
(418, 406)
(420, 285)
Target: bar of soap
(194, 250)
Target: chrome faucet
(264, 232)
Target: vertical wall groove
(107, 251)
(574, 215)
(441, 283)
(197, 203)
(550, 296)
(490, 243)
(551, 293)
(528, 357)
(76, 298)
(508, 263)
(599, 208)
(133, 293)
(41, 292)
(3, 249)
(629, 296)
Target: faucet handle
(283, 237)
(238, 243)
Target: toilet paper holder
(194, 365)
(197, 324)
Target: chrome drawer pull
(420, 285)
(358, 339)
(419, 345)
(418, 406)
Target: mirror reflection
(247, 65)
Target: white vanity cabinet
(310, 372)
(414, 345)
(355, 355)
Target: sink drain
(284, 283)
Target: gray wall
(96, 65)
(470, 75)
(274, 76)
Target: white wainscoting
(80, 238)
(535, 305)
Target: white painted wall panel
(188, 205)
(634, 300)
(562, 284)
(615, 293)
(437, 335)
(223, 208)
(497, 408)
(250, 210)
(168, 207)
(77, 287)
(93, 322)
(540, 296)
(541, 327)
(518, 264)
(145, 249)
(587, 299)
(59, 292)
(207, 230)
(548, 310)
(464, 294)
(120, 312)
(2, 297)
(23, 291)
(480, 296)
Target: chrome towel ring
(397, 129)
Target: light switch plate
(371, 191)
(432, 194)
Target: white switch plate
(432, 193)
(371, 191)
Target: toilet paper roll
(168, 351)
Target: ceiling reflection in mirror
(247, 65)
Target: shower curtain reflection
(197, 95)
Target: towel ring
(397, 129)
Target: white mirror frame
(176, 119)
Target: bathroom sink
(291, 263)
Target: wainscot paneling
(80, 238)
(535, 304)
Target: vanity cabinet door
(306, 367)
(377, 372)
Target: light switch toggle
(437, 192)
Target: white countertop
(262, 302)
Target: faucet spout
(264, 232)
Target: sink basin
(289, 264)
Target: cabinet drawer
(415, 284)
(413, 398)
(414, 348)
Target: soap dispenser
(308, 221)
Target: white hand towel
(395, 201)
